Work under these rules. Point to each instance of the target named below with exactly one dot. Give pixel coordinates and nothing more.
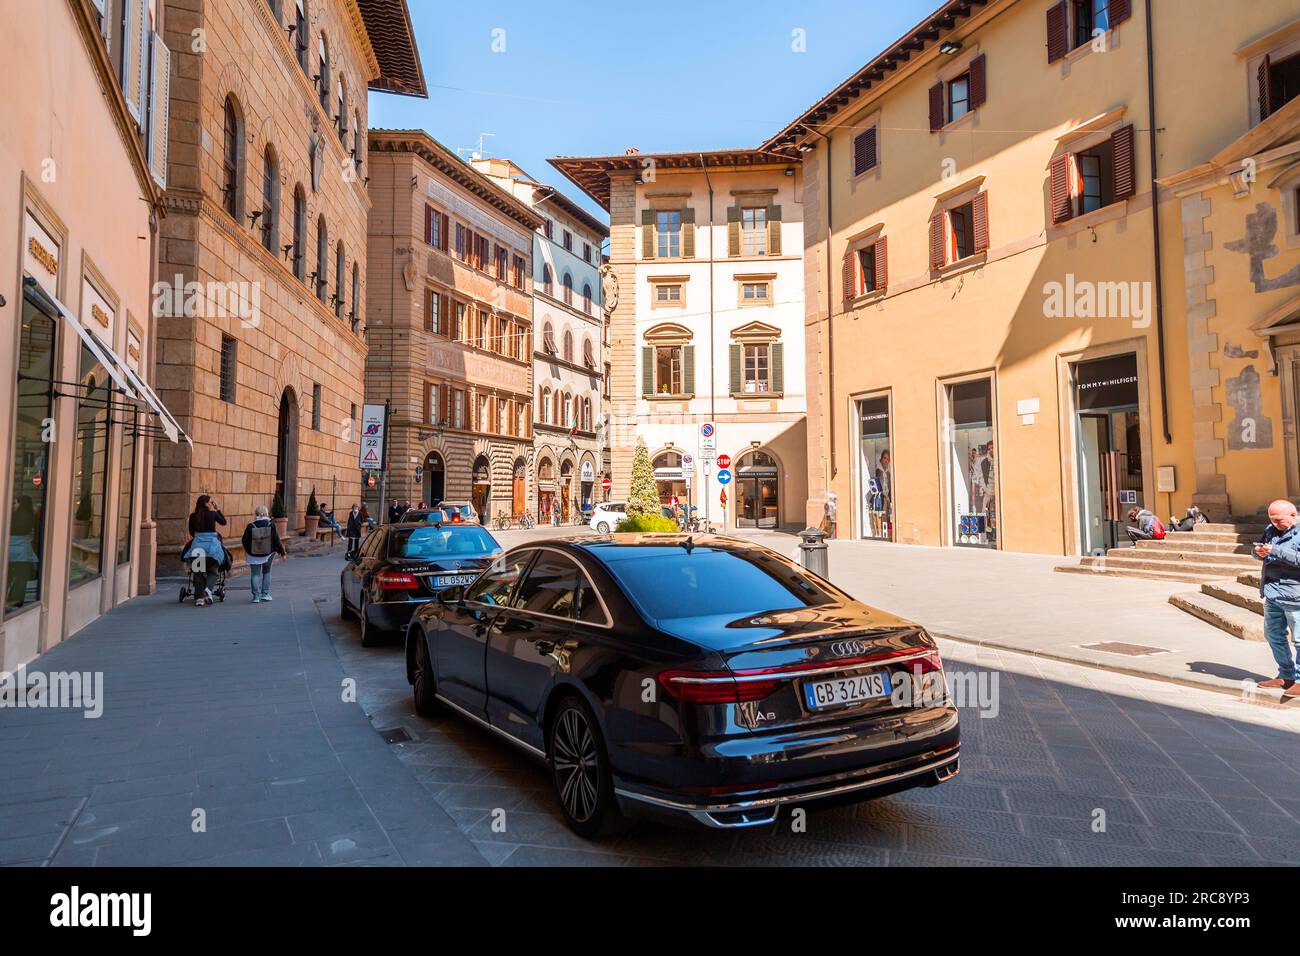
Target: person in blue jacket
(1279, 585)
(206, 553)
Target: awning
(128, 383)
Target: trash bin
(813, 551)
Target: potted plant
(279, 515)
(312, 519)
(85, 511)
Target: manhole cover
(1129, 650)
(395, 735)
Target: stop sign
(606, 484)
(724, 461)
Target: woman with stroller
(261, 545)
(206, 553)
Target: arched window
(556, 415)
(586, 414)
(230, 157)
(568, 289)
(356, 296)
(341, 120)
(586, 298)
(299, 247)
(547, 285)
(270, 199)
(300, 34)
(568, 346)
(588, 353)
(322, 258)
(323, 78)
(358, 149)
(567, 422)
(548, 339)
(546, 407)
(546, 470)
(340, 270)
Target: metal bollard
(813, 554)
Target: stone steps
(1158, 567)
(1111, 571)
(1234, 592)
(1193, 542)
(1237, 621)
(1210, 564)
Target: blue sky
(578, 79)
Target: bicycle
(526, 521)
(501, 522)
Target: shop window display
(972, 461)
(877, 469)
(89, 471)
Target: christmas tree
(643, 497)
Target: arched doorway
(286, 455)
(668, 477)
(545, 488)
(482, 491)
(435, 479)
(519, 488)
(758, 491)
(566, 492)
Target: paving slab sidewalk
(237, 710)
(1018, 602)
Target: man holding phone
(1279, 585)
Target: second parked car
(401, 566)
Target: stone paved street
(237, 710)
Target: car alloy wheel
(578, 767)
(603, 528)
(424, 688)
(369, 633)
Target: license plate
(453, 580)
(844, 691)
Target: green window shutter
(773, 230)
(688, 369)
(778, 367)
(647, 370)
(736, 356)
(647, 233)
(733, 230)
(688, 233)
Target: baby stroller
(218, 590)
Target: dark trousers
(1137, 534)
(204, 580)
(353, 544)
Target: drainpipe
(712, 390)
(1155, 221)
(830, 325)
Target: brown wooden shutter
(937, 257)
(978, 82)
(460, 241)
(1123, 166)
(882, 262)
(428, 224)
(647, 233)
(936, 107)
(1265, 77)
(1058, 178)
(443, 238)
(1120, 10)
(688, 233)
(773, 230)
(445, 303)
(733, 230)
(864, 151)
(980, 215)
(1058, 27)
(847, 276)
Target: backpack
(261, 540)
(1157, 530)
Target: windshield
(434, 542)
(668, 583)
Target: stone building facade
(450, 328)
(568, 360)
(262, 262)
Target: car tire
(370, 635)
(424, 686)
(575, 753)
(345, 612)
(603, 527)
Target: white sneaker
(198, 602)
(266, 597)
(208, 593)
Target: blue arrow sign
(724, 476)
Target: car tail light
(713, 687)
(929, 664)
(396, 580)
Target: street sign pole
(383, 474)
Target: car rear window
(440, 542)
(668, 582)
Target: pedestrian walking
(261, 544)
(1279, 585)
(355, 523)
(395, 512)
(1144, 526)
(206, 552)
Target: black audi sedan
(401, 566)
(698, 676)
